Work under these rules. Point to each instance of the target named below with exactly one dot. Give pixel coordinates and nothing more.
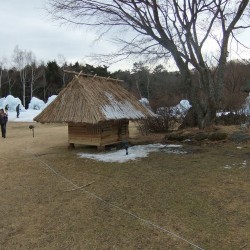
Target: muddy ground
(197, 200)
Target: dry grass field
(202, 196)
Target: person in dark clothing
(3, 122)
(18, 110)
(6, 108)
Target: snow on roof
(120, 109)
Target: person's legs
(2, 130)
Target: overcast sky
(25, 23)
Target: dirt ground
(197, 200)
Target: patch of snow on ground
(24, 116)
(237, 165)
(134, 153)
(12, 102)
(179, 110)
(36, 104)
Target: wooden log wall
(84, 134)
(98, 134)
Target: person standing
(6, 108)
(3, 122)
(17, 111)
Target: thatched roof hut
(93, 105)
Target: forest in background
(27, 78)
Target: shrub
(231, 119)
(201, 136)
(217, 136)
(162, 123)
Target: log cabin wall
(124, 130)
(105, 133)
(85, 134)
(114, 132)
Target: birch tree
(63, 63)
(20, 61)
(3, 64)
(31, 62)
(35, 71)
(182, 29)
(10, 80)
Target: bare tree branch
(157, 28)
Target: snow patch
(25, 116)
(12, 102)
(35, 107)
(134, 153)
(36, 104)
(120, 110)
(236, 165)
(50, 99)
(180, 110)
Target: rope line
(119, 208)
(56, 173)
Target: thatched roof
(92, 99)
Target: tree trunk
(24, 91)
(31, 90)
(206, 114)
(202, 98)
(9, 82)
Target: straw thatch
(92, 99)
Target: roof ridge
(77, 74)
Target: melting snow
(120, 110)
(26, 115)
(36, 104)
(134, 153)
(237, 165)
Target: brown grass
(193, 195)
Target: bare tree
(10, 80)
(3, 64)
(26, 64)
(31, 62)
(1, 75)
(63, 63)
(20, 61)
(237, 74)
(159, 28)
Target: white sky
(25, 23)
